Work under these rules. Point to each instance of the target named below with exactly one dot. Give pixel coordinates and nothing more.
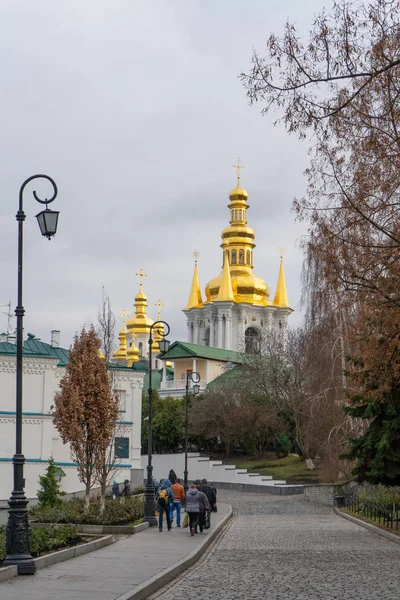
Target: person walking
(115, 491)
(179, 497)
(204, 506)
(126, 492)
(192, 507)
(211, 493)
(164, 497)
(172, 476)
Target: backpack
(163, 497)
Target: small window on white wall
(122, 400)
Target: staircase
(224, 476)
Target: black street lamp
(17, 533)
(149, 494)
(194, 377)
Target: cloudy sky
(134, 107)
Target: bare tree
(106, 326)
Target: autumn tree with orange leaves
(86, 409)
(341, 90)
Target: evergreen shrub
(282, 445)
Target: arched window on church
(232, 215)
(140, 349)
(241, 257)
(207, 337)
(236, 214)
(247, 257)
(233, 257)
(252, 341)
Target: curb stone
(152, 585)
(100, 529)
(61, 555)
(8, 572)
(377, 530)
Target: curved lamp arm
(193, 376)
(162, 333)
(39, 176)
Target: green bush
(50, 490)
(45, 539)
(379, 497)
(282, 445)
(116, 512)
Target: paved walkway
(283, 548)
(108, 573)
(277, 548)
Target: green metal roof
(40, 348)
(185, 350)
(228, 377)
(8, 348)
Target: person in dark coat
(115, 490)
(172, 476)
(127, 488)
(204, 506)
(211, 494)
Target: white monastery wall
(41, 440)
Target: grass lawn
(291, 468)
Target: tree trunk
(103, 486)
(87, 495)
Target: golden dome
(238, 245)
(140, 322)
(132, 354)
(238, 193)
(246, 287)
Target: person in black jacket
(211, 494)
(172, 476)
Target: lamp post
(194, 377)
(17, 533)
(149, 494)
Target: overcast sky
(135, 109)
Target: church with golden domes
(237, 310)
(233, 317)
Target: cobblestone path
(283, 548)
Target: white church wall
(40, 439)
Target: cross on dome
(124, 314)
(141, 274)
(238, 166)
(159, 305)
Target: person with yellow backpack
(164, 497)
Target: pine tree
(50, 489)
(377, 450)
(85, 409)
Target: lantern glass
(48, 220)
(164, 345)
(196, 388)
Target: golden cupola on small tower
(237, 247)
(132, 353)
(120, 354)
(138, 327)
